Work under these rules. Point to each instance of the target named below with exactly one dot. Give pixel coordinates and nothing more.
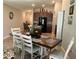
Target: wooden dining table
(48, 43)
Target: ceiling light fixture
(33, 5)
(53, 1)
(43, 5)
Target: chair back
(15, 30)
(27, 43)
(17, 40)
(69, 48)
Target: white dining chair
(17, 30)
(59, 55)
(29, 47)
(14, 32)
(17, 44)
(17, 40)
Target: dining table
(48, 43)
(46, 40)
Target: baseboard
(6, 37)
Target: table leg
(49, 51)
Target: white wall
(68, 30)
(16, 21)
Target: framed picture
(72, 1)
(71, 10)
(70, 19)
(11, 14)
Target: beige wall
(69, 30)
(28, 16)
(57, 8)
(7, 23)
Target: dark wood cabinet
(49, 19)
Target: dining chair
(29, 47)
(17, 30)
(59, 55)
(17, 44)
(17, 40)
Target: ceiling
(27, 4)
